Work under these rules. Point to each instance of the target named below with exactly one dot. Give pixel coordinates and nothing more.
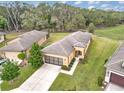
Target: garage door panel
(53, 60)
(117, 79)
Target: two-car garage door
(117, 79)
(53, 60)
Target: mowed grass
(27, 71)
(54, 37)
(116, 32)
(10, 37)
(86, 75)
(13, 35)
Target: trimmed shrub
(64, 67)
(100, 81)
(106, 60)
(81, 60)
(21, 56)
(73, 60)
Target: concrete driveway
(113, 87)
(42, 79)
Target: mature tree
(10, 71)
(3, 22)
(55, 17)
(91, 28)
(35, 56)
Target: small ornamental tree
(21, 56)
(10, 71)
(35, 56)
(91, 28)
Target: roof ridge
(19, 42)
(63, 48)
(115, 62)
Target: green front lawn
(26, 72)
(116, 32)
(85, 76)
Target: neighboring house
(63, 51)
(115, 68)
(22, 44)
(2, 36)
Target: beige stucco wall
(1, 38)
(12, 56)
(67, 60)
(72, 55)
(80, 49)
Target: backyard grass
(85, 76)
(10, 36)
(55, 37)
(13, 35)
(116, 32)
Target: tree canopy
(3, 22)
(91, 28)
(10, 71)
(35, 56)
(55, 17)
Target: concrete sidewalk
(42, 79)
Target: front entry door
(77, 53)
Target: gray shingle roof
(24, 41)
(65, 46)
(116, 60)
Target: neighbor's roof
(24, 41)
(116, 60)
(65, 46)
(2, 33)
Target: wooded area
(18, 16)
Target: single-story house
(2, 36)
(22, 44)
(115, 67)
(62, 52)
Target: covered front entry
(53, 60)
(117, 79)
(77, 53)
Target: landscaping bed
(86, 75)
(27, 70)
(69, 66)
